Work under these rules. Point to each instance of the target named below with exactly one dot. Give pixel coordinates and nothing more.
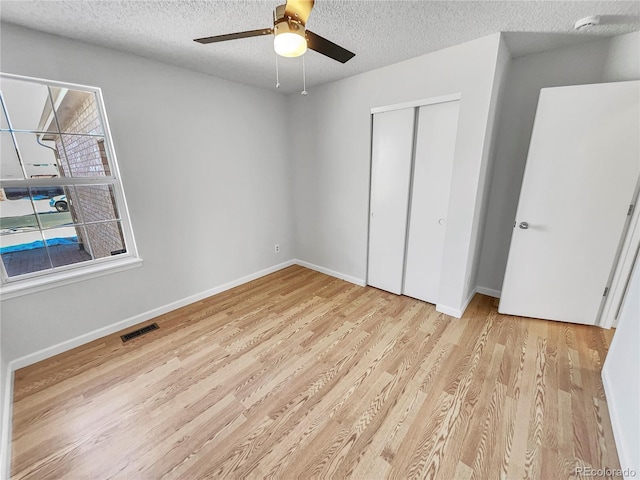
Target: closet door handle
(442, 221)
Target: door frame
(622, 268)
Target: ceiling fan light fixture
(289, 40)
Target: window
(62, 209)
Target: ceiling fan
(291, 36)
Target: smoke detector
(587, 22)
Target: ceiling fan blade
(328, 48)
(233, 36)
(298, 9)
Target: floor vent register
(141, 331)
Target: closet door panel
(433, 166)
(391, 156)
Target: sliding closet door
(433, 167)
(391, 156)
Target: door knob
(373, 214)
(523, 225)
(442, 221)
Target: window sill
(38, 284)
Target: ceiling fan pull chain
(304, 79)
(277, 73)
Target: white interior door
(391, 156)
(433, 166)
(582, 169)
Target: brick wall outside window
(85, 157)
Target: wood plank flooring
(301, 375)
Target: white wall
(503, 65)
(331, 166)
(208, 191)
(621, 377)
(623, 59)
(598, 61)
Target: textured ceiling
(379, 32)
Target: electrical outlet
(277, 248)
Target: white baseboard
(7, 421)
(136, 319)
(447, 310)
(490, 292)
(455, 312)
(615, 422)
(150, 314)
(332, 273)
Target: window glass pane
(52, 207)
(67, 245)
(24, 253)
(39, 154)
(96, 203)
(16, 212)
(77, 111)
(9, 162)
(86, 155)
(28, 105)
(54, 142)
(106, 239)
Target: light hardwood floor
(301, 375)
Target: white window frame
(41, 280)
